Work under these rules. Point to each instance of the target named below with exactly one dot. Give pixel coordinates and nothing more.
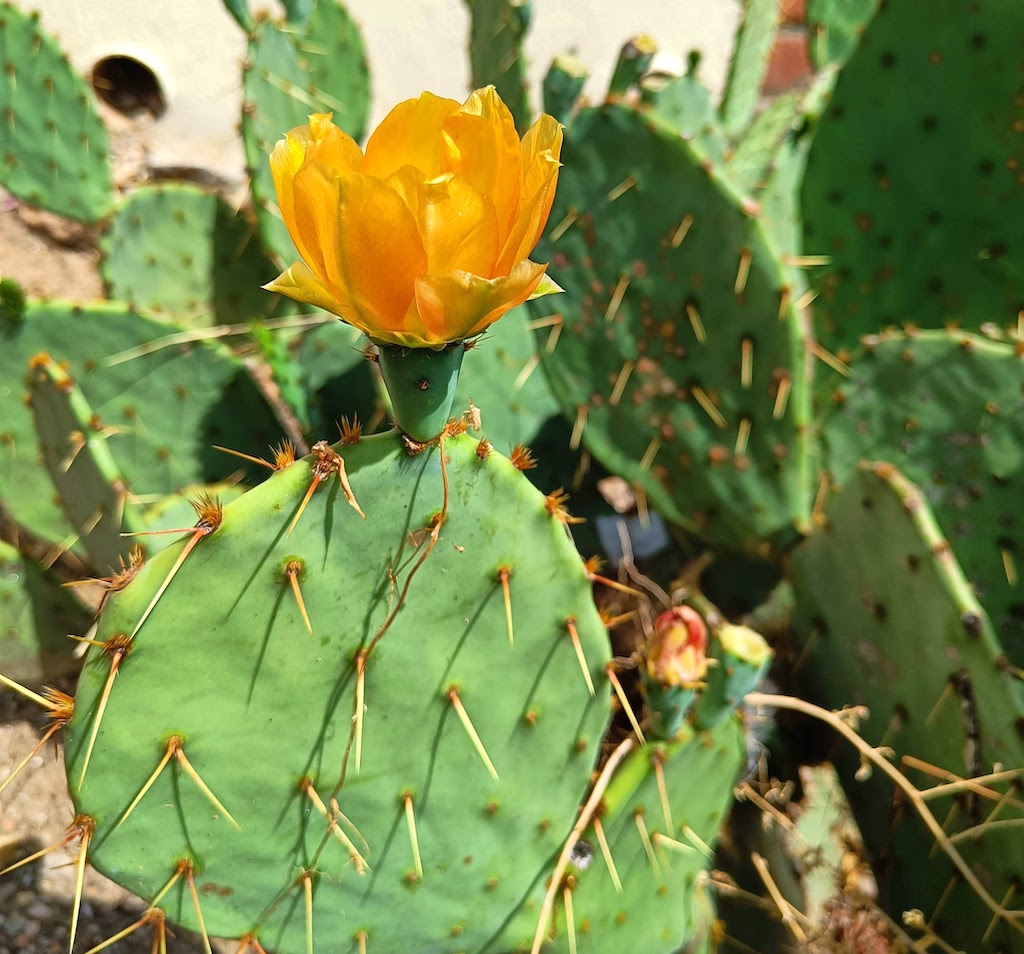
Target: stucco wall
(195, 49)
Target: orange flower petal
(320, 144)
(459, 305)
(484, 148)
(457, 224)
(380, 253)
(410, 135)
(300, 283)
(541, 147)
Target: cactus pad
(675, 362)
(945, 408)
(497, 31)
(35, 614)
(179, 251)
(920, 204)
(251, 660)
(888, 619)
(166, 407)
(754, 42)
(290, 73)
(53, 147)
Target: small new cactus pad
(684, 103)
(291, 72)
(562, 86)
(920, 205)
(683, 366)
(754, 41)
(886, 618)
(176, 250)
(497, 31)
(659, 819)
(53, 147)
(945, 407)
(72, 440)
(164, 399)
(752, 162)
(35, 615)
(834, 28)
(414, 670)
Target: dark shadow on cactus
(287, 917)
(241, 420)
(176, 772)
(265, 643)
(445, 681)
(354, 390)
(534, 686)
(379, 861)
(256, 569)
(435, 747)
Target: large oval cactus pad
(682, 355)
(226, 663)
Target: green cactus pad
(168, 407)
(53, 147)
(718, 443)
(754, 42)
(656, 912)
(920, 204)
(562, 86)
(950, 419)
(502, 377)
(290, 73)
(266, 704)
(496, 38)
(752, 162)
(92, 491)
(886, 618)
(176, 250)
(684, 103)
(834, 28)
(338, 378)
(35, 616)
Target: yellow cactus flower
(425, 238)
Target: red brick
(789, 63)
(793, 11)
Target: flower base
(421, 383)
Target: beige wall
(195, 48)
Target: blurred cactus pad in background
(629, 565)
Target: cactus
(563, 84)
(684, 103)
(289, 73)
(678, 371)
(877, 199)
(753, 47)
(35, 615)
(497, 31)
(892, 623)
(409, 755)
(951, 422)
(53, 147)
(163, 399)
(178, 251)
(834, 28)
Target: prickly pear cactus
(684, 367)
(427, 683)
(176, 250)
(889, 621)
(35, 615)
(951, 422)
(878, 199)
(53, 147)
(161, 399)
(753, 47)
(497, 32)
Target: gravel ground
(36, 900)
